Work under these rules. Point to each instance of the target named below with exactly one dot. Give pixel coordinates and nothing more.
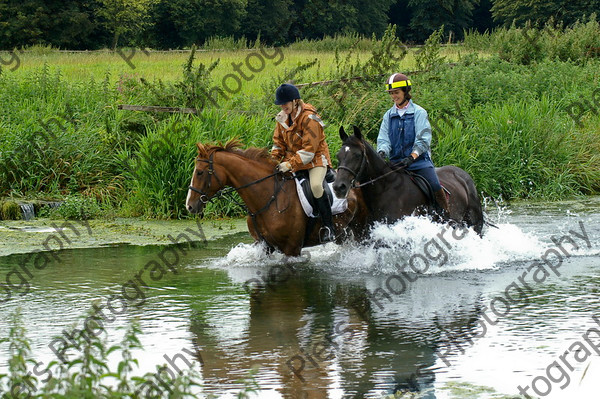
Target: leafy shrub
(74, 207)
(190, 91)
(87, 374)
(428, 58)
(527, 44)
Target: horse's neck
(240, 172)
(376, 168)
(380, 170)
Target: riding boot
(442, 200)
(327, 232)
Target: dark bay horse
(390, 195)
(275, 214)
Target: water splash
(412, 244)
(420, 245)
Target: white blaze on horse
(390, 195)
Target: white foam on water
(248, 262)
(413, 244)
(420, 245)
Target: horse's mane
(361, 142)
(234, 146)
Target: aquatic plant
(86, 374)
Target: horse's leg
(465, 206)
(257, 240)
(251, 229)
(475, 211)
(358, 223)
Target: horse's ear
(357, 132)
(199, 146)
(343, 134)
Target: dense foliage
(525, 124)
(169, 24)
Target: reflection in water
(337, 324)
(310, 336)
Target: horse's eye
(199, 173)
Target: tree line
(170, 24)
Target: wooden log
(153, 108)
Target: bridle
(364, 161)
(205, 198)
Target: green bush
(51, 137)
(10, 210)
(428, 57)
(516, 149)
(524, 45)
(74, 207)
(86, 374)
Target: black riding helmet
(286, 93)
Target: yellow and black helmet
(397, 81)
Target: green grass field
(521, 129)
(83, 66)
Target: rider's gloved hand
(406, 162)
(284, 167)
(381, 154)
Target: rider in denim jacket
(405, 135)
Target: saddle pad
(338, 206)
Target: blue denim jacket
(399, 136)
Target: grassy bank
(523, 127)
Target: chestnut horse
(275, 214)
(390, 194)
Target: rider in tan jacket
(299, 144)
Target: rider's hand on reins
(283, 167)
(406, 162)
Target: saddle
(424, 186)
(307, 199)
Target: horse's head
(206, 181)
(352, 158)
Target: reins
(228, 191)
(377, 178)
(363, 163)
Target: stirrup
(326, 235)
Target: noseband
(204, 198)
(363, 163)
(361, 168)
